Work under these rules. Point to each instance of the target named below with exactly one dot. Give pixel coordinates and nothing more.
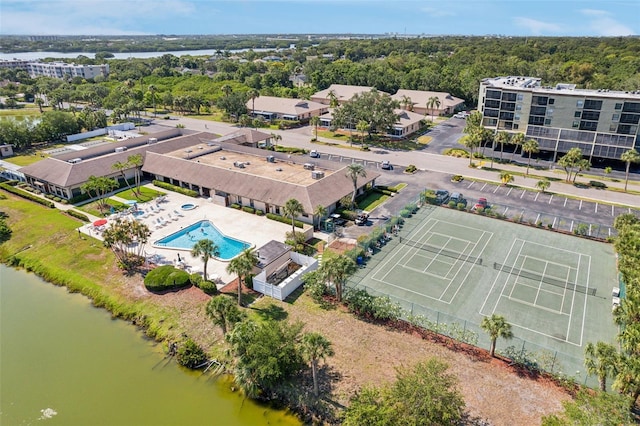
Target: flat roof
(281, 169)
(534, 85)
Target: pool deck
(256, 230)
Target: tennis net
(545, 279)
(442, 251)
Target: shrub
(461, 206)
(598, 185)
(166, 277)
(235, 206)
(83, 217)
(378, 307)
(452, 204)
(405, 213)
(248, 209)
(174, 188)
(348, 214)
(208, 287)
(286, 220)
(259, 213)
(24, 194)
(190, 354)
(5, 231)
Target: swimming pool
(187, 237)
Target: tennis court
(554, 289)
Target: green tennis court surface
(446, 265)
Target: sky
(411, 17)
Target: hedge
(24, 194)
(83, 217)
(286, 220)
(166, 277)
(386, 188)
(248, 209)
(175, 188)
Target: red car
(481, 204)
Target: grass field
(455, 267)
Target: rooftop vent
(75, 160)
(152, 140)
(317, 174)
(271, 159)
(239, 164)
(309, 166)
(121, 149)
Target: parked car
(386, 165)
(481, 204)
(314, 154)
(458, 198)
(442, 196)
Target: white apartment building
(602, 123)
(56, 69)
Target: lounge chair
(177, 213)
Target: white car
(386, 165)
(314, 154)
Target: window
(577, 114)
(615, 117)
(515, 127)
(549, 111)
(493, 94)
(618, 106)
(579, 104)
(547, 122)
(613, 127)
(520, 97)
(591, 115)
(518, 107)
(516, 117)
(552, 101)
(593, 104)
(575, 124)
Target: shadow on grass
(272, 312)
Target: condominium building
(602, 123)
(64, 70)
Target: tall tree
(630, 156)
(433, 103)
(223, 312)
(253, 94)
(517, 140)
(120, 236)
(354, 171)
(543, 184)
(496, 326)
(205, 249)
(152, 90)
(406, 103)
(336, 270)
(275, 137)
(320, 212)
(472, 141)
(292, 208)
(242, 265)
(314, 348)
(530, 146)
(136, 161)
(314, 121)
(569, 162)
(502, 138)
(100, 186)
(601, 360)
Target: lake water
(64, 362)
(32, 56)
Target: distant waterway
(64, 362)
(32, 56)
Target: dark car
(442, 196)
(458, 198)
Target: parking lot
(561, 213)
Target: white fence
(291, 283)
(99, 132)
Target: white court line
(516, 277)
(584, 308)
(544, 308)
(573, 298)
(469, 270)
(535, 301)
(490, 292)
(523, 284)
(564, 293)
(462, 262)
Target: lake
(32, 56)
(64, 362)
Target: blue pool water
(187, 237)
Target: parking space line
(509, 192)
(536, 197)
(524, 191)
(565, 202)
(580, 206)
(505, 211)
(571, 228)
(496, 190)
(551, 198)
(613, 211)
(472, 182)
(483, 186)
(596, 208)
(538, 218)
(554, 222)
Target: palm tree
(543, 184)
(502, 138)
(136, 161)
(505, 177)
(276, 137)
(472, 141)
(223, 312)
(496, 326)
(433, 101)
(205, 249)
(630, 156)
(253, 94)
(314, 348)
(355, 170)
(406, 103)
(152, 89)
(121, 167)
(293, 208)
(337, 270)
(226, 89)
(601, 359)
(333, 99)
(320, 212)
(242, 265)
(517, 139)
(314, 121)
(530, 146)
(362, 127)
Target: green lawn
(148, 194)
(372, 200)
